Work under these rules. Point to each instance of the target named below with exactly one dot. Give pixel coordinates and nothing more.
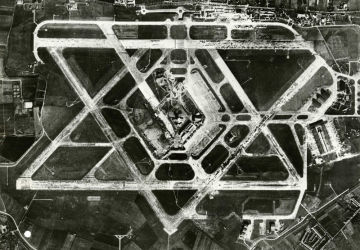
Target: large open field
(344, 174)
(68, 163)
(173, 200)
(335, 43)
(265, 168)
(120, 90)
(348, 129)
(88, 131)
(236, 135)
(176, 171)
(150, 57)
(269, 202)
(286, 140)
(266, 74)
(75, 212)
(211, 32)
(214, 159)
(20, 45)
(93, 67)
(12, 148)
(231, 99)
(113, 169)
(209, 65)
(61, 103)
(56, 30)
(259, 146)
(116, 121)
(138, 155)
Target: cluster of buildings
(126, 3)
(31, 4)
(20, 107)
(4, 233)
(314, 238)
(324, 141)
(181, 111)
(319, 99)
(318, 19)
(330, 223)
(344, 103)
(257, 228)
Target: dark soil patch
(173, 200)
(178, 56)
(13, 147)
(243, 34)
(214, 159)
(286, 140)
(94, 67)
(120, 90)
(113, 169)
(264, 168)
(243, 118)
(274, 33)
(260, 145)
(150, 57)
(266, 74)
(227, 202)
(203, 32)
(231, 99)
(209, 65)
(57, 30)
(178, 32)
(178, 156)
(282, 117)
(300, 132)
(88, 131)
(138, 155)
(68, 163)
(176, 171)
(235, 135)
(178, 71)
(61, 103)
(150, 32)
(116, 121)
(344, 174)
